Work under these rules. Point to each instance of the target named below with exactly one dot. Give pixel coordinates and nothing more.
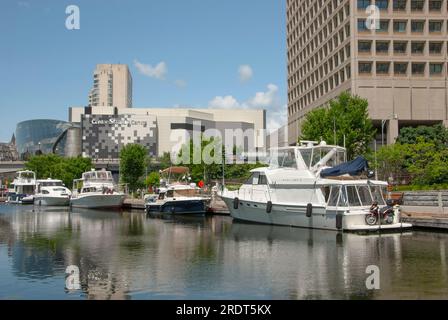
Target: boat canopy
(353, 168)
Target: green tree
(344, 117)
(56, 167)
(153, 179)
(437, 134)
(165, 160)
(391, 161)
(133, 159)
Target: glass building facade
(41, 137)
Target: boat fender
(173, 210)
(236, 202)
(269, 207)
(339, 221)
(309, 210)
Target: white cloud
(267, 99)
(275, 112)
(245, 72)
(158, 72)
(227, 102)
(180, 83)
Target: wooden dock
(425, 217)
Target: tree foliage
(153, 179)
(345, 117)
(424, 162)
(133, 159)
(56, 167)
(437, 134)
(213, 170)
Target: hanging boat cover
(353, 168)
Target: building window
(417, 5)
(435, 5)
(418, 68)
(417, 26)
(382, 47)
(382, 4)
(384, 26)
(365, 46)
(400, 5)
(435, 47)
(400, 47)
(400, 68)
(400, 26)
(382, 67)
(362, 25)
(363, 4)
(435, 68)
(417, 47)
(435, 26)
(365, 67)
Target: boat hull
(178, 207)
(295, 216)
(15, 198)
(52, 201)
(98, 201)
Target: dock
(425, 217)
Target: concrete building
(395, 56)
(112, 86)
(106, 130)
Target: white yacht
(51, 192)
(311, 186)
(22, 189)
(96, 189)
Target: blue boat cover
(353, 168)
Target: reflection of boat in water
(22, 190)
(310, 186)
(262, 232)
(51, 192)
(97, 191)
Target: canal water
(127, 255)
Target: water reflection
(127, 255)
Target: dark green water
(130, 256)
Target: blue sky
(189, 53)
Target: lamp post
(383, 122)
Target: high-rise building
(393, 54)
(112, 86)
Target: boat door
(259, 188)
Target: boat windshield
(355, 196)
(283, 159)
(97, 176)
(51, 184)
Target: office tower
(393, 54)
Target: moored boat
(96, 190)
(52, 192)
(22, 189)
(311, 186)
